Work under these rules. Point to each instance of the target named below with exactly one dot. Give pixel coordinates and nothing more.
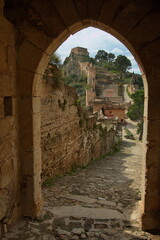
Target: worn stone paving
(99, 202)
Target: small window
(8, 106)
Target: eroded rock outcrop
(72, 64)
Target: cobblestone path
(100, 202)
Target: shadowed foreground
(99, 202)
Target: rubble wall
(68, 136)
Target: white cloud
(135, 70)
(94, 39)
(117, 51)
(130, 57)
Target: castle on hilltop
(103, 91)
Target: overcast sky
(94, 39)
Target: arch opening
(75, 140)
(44, 61)
(36, 93)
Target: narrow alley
(99, 202)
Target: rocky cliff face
(72, 63)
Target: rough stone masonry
(100, 202)
(70, 136)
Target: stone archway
(40, 27)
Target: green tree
(80, 84)
(101, 56)
(92, 60)
(139, 81)
(55, 60)
(122, 63)
(111, 57)
(53, 73)
(135, 111)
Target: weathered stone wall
(90, 96)
(9, 166)
(69, 137)
(80, 51)
(72, 64)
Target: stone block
(104, 18)
(95, 8)
(36, 101)
(130, 14)
(145, 27)
(26, 50)
(150, 221)
(25, 81)
(39, 39)
(6, 126)
(31, 162)
(37, 140)
(3, 59)
(153, 131)
(33, 199)
(8, 88)
(70, 18)
(7, 85)
(7, 32)
(83, 11)
(1, 108)
(37, 162)
(6, 174)
(26, 141)
(36, 123)
(152, 202)
(53, 23)
(1, 7)
(4, 203)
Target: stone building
(107, 97)
(91, 82)
(29, 32)
(113, 111)
(77, 62)
(101, 83)
(110, 109)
